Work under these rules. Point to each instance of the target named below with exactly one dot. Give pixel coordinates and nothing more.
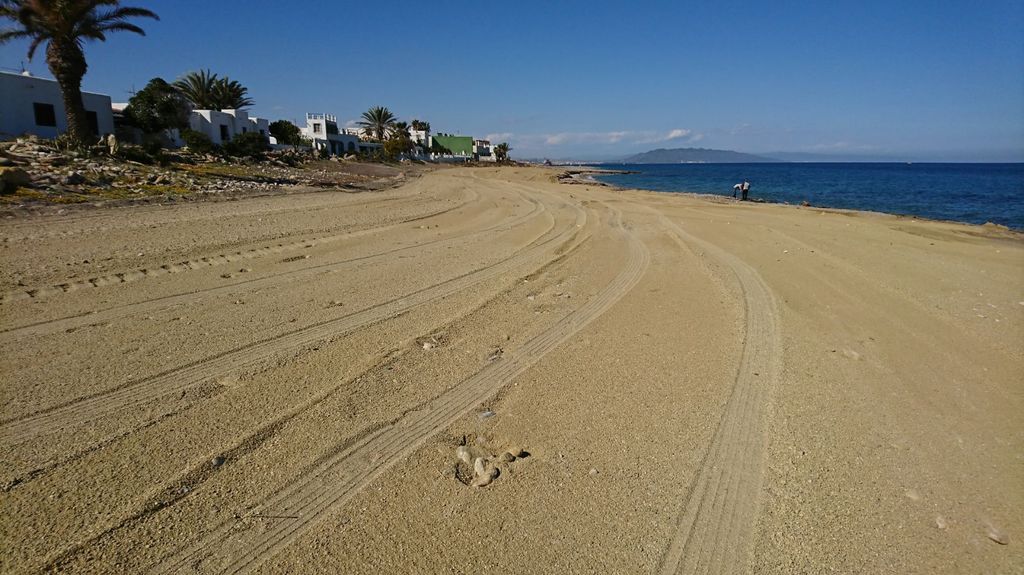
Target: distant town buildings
(31, 105)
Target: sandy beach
(484, 370)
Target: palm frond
(121, 26)
(36, 41)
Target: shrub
(134, 153)
(248, 145)
(197, 142)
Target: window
(45, 115)
(224, 135)
(263, 133)
(93, 120)
(317, 128)
(245, 130)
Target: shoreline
(723, 198)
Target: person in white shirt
(745, 189)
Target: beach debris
(335, 303)
(507, 457)
(463, 453)
(941, 522)
(913, 495)
(486, 414)
(997, 535)
(805, 204)
(851, 354)
(593, 471)
(428, 345)
(496, 354)
(484, 472)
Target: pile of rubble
(33, 169)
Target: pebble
(218, 461)
(997, 535)
(462, 452)
(427, 345)
(485, 474)
(507, 457)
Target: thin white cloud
(616, 137)
(500, 137)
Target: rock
(483, 472)
(941, 522)
(997, 535)
(462, 452)
(218, 461)
(507, 457)
(13, 178)
(427, 345)
(74, 179)
(5, 161)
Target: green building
(457, 145)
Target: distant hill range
(695, 155)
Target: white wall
(17, 114)
(235, 122)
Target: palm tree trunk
(67, 64)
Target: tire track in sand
(177, 380)
(716, 524)
(152, 305)
(233, 548)
(200, 262)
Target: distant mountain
(694, 155)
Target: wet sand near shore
(483, 369)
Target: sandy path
(700, 387)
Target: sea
(972, 193)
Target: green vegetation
(64, 25)
(197, 142)
(248, 145)
(286, 133)
(156, 108)
(208, 92)
(378, 122)
(501, 151)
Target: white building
(323, 130)
(30, 105)
(483, 152)
(221, 126)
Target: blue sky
(909, 80)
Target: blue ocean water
(973, 193)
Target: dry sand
(312, 383)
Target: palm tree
(208, 92)
(198, 88)
(400, 130)
(378, 122)
(502, 150)
(63, 25)
(230, 95)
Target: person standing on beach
(745, 189)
